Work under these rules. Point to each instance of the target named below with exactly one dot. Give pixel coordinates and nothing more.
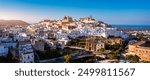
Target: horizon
(70, 16)
(112, 12)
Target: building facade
(94, 44)
(87, 20)
(25, 51)
(140, 50)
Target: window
(28, 57)
(146, 51)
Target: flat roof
(138, 43)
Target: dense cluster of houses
(23, 41)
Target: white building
(25, 51)
(113, 32)
(3, 51)
(64, 40)
(20, 36)
(97, 31)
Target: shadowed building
(94, 44)
(25, 52)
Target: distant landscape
(13, 22)
(131, 27)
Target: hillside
(13, 22)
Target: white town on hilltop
(65, 40)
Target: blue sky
(109, 11)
